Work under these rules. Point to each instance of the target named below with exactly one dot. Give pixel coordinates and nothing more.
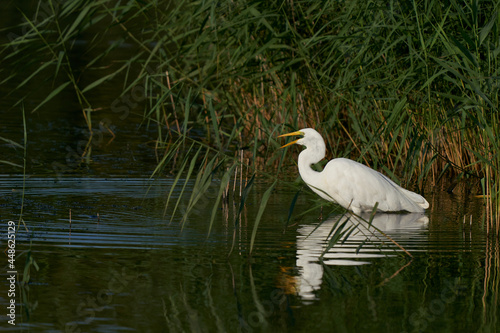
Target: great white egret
(352, 185)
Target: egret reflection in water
(365, 243)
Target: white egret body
(351, 184)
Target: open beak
(290, 134)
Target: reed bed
(408, 87)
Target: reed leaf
(54, 93)
(223, 185)
(260, 212)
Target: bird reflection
(313, 240)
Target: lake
(110, 259)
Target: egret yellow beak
(290, 134)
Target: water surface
(123, 264)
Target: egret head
(310, 137)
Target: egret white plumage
(351, 184)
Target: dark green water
(122, 266)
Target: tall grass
(407, 87)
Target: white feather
(352, 184)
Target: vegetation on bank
(408, 87)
